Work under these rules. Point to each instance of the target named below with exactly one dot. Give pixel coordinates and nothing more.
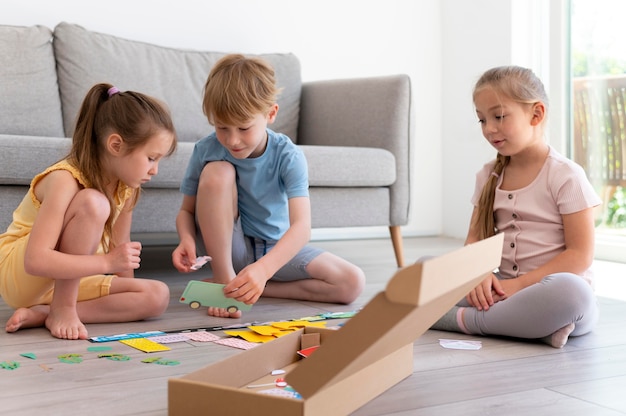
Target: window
(598, 140)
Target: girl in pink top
(543, 203)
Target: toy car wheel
(194, 304)
(232, 309)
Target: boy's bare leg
(334, 280)
(216, 212)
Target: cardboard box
(375, 345)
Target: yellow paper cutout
(298, 324)
(269, 330)
(250, 336)
(144, 344)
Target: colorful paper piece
(250, 336)
(126, 336)
(237, 343)
(45, 368)
(457, 344)
(145, 345)
(115, 357)
(99, 349)
(10, 365)
(167, 362)
(170, 338)
(30, 355)
(70, 358)
(200, 261)
(293, 325)
(286, 392)
(270, 330)
(201, 336)
(308, 351)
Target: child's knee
(92, 204)
(217, 175)
(159, 298)
(352, 284)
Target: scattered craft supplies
(149, 334)
(376, 344)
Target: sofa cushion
(29, 93)
(339, 166)
(176, 76)
(23, 157)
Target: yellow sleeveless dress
(20, 289)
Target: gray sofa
(355, 133)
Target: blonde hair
(105, 110)
(520, 85)
(239, 88)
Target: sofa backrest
(176, 76)
(29, 93)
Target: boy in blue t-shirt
(246, 193)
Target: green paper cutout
(70, 358)
(150, 360)
(115, 357)
(167, 362)
(30, 355)
(159, 361)
(97, 349)
(10, 365)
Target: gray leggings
(538, 310)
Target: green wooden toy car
(199, 293)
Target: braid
(485, 223)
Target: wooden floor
(504, 377)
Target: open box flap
(415, 298)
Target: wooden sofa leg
(396, 241)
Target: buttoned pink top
(531, 217)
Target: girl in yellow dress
(67, 259)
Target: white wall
(478, 35)
(443, 45)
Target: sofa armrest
(365, 112)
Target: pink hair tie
(112, 91)
(495, 175)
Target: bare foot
(27, 318)
(560, 337)
(222, 313)
(63, 323)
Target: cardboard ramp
(376, 344)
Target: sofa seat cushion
(176, 76)
(23, 157)
(29, 92)
(343, 166)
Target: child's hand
(248, 285)
(125, 257)
(183, 258)
(488, 292)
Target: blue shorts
(247, 250)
